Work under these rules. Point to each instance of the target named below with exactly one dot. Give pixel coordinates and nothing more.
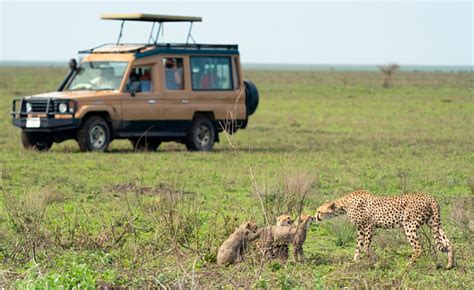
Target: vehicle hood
(71, 94)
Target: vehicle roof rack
(146, 49)
(154, 18)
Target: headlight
(28, 107)
(62, 108)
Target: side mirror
(73, 64)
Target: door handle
(151, 101)
(184, 101)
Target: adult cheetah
(408, 211)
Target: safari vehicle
(147, 93)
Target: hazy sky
(322, 32)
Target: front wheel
(94, 135)
(36, 141)
(201, 135)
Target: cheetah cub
(233, 249)
(284, 220)
(281, 251)
(304, 221)
(266, 245)
(275, 240)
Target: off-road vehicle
(148, 93)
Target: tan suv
(147, 93)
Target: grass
(156, 219)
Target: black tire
(145, 144)
(251, 97)
(94, 135)
(36, 141)
(201, 135)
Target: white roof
(150, 17)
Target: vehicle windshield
(98, 76)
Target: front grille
(39, 106)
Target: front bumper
(47, 124)
(49, 119)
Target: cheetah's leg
(442, 242)
(368, 233)
(359, 243)
(281, 252)
(298, 253)
(411, 232)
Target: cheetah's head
(284, 220)
(248, 227)
(328, 210)
(305, 219)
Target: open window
(140, 80)
(173, 68)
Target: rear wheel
(145, 144)
(36, 141)
(94, 135)
(201, 135)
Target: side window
(173, 68)
(140, 80)
(211, 73)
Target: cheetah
(284, 220)
(233, 249)
(281, 251)
(275, 240)
(304, 221)
(409, 211)
(266, 245)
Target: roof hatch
(154, 18)
(150, 17)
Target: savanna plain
(156, 219)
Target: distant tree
(388, 71)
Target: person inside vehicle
(145, 80)
(105, 80)
(208, 80)
(134, 82)
(173, 75)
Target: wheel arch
(208, 114)
(103, 114)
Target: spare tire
(251, 97)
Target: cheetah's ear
(248, 225)
(332, 205)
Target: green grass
(156, 219)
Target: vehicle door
(141, 110)
(175, 97)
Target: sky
(280, 32)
